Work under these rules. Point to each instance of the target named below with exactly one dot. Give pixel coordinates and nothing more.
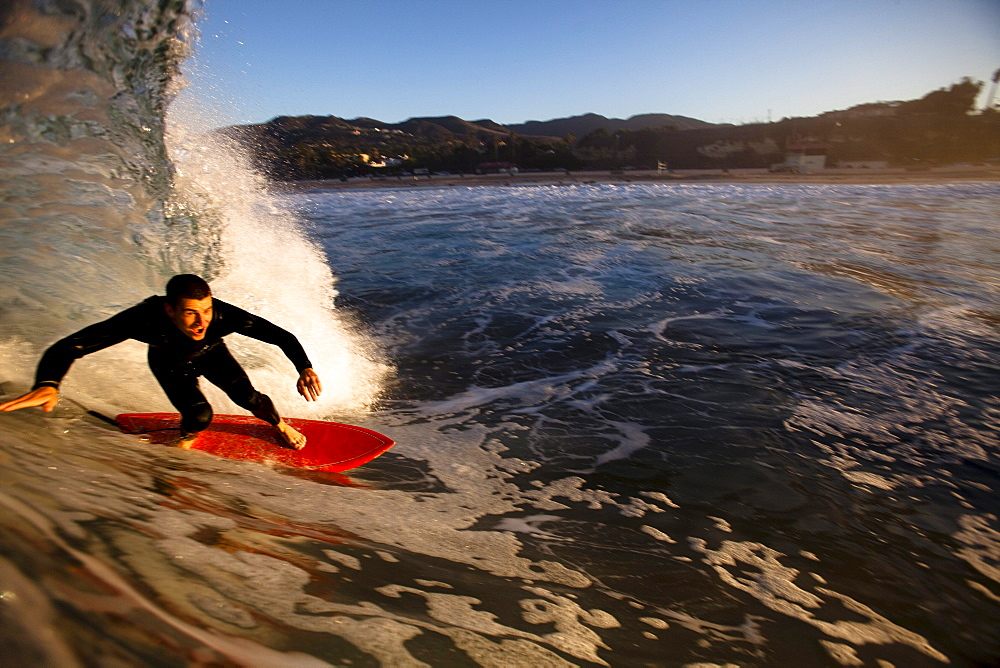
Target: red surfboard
(330, 446)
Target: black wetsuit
(177, 360)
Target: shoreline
(733, 176)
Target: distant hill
(940, 127)
(490, 125)
(443, 128)
(584, 125)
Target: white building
(802, 157)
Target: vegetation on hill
(581, 126)
(937, 128)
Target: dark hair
(186, 286)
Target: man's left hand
(309, 385)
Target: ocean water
(665, 425)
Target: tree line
(939, 128)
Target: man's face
(191, 316)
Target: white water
(262, 260)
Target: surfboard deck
(330, 446)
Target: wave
(107, 193)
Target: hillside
(581, 126)
(937, 128)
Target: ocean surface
(636, 425)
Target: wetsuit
(177, 361)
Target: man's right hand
(45, 396)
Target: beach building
(803, 156)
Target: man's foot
(290, 436)
(186, 441)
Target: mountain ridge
(584, 124)
(441, 127)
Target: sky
(511, 61)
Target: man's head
(189, 305)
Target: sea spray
(257, 255)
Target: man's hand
(45, 396)
(309, 385)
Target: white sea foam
(774, 585)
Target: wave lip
(82, 156)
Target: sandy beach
(849, 176)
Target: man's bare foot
(290, 436)
(186, 441)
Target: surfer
(185, 333)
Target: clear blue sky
(516, 60)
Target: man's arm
(255, 327)
(57, 360)
(60, 356)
